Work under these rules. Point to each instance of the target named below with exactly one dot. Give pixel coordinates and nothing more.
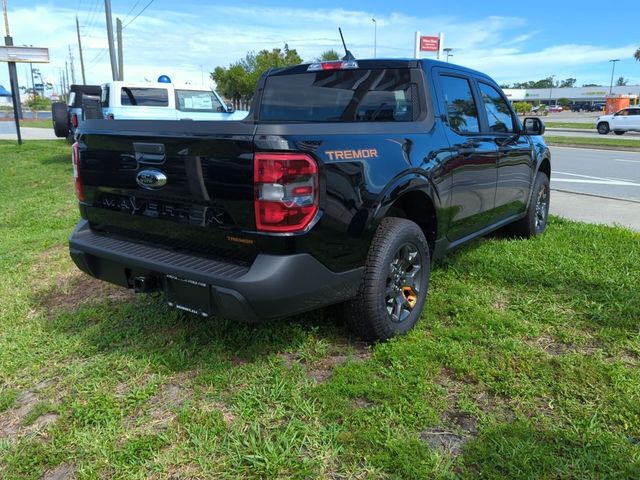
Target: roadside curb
(617, 199)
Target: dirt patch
(555, 348)
(500, 303)
(77, 288)
(61, 472)
(228, 416)
(362, 402)
(322, 370)
(448, 442)
(161, 408)
(44, 420)
(11, 420)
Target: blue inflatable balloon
(164, 79)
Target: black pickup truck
(342, 185)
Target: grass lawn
(593, 142)
(586, 126)
(525, 364)
(46, 123)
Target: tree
(591, 85)
(568, 83)
(522, 108)
(621, 82)
(328, 56)
(239, 80)
(565, 102)
(637, 55)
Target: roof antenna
(348, 57)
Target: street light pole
(613, 67)
(551, 89)
(448, 53)
(375, 37)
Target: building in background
(550, 96)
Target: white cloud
(181, 44)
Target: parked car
(625, 120)
(67, 116)
(581, 107)
(342, 185)
(540, 110)
(164, 101)
(556, 108)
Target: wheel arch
(415, 199)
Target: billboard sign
(24, 54)
(429, 44)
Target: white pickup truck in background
(164, 101)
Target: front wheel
(535, 221)
(603, 128)
(394, 286)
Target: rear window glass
(144, 97)
(362, 95)
(197, 101)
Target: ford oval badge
(151, 179)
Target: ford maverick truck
(342, 185)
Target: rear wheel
(60, 117)
(395, 282)
(535, 221)
(619, 132)
(603, 128)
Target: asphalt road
(608, 173)
(8, 132)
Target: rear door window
(144, 97)
(358, 95)
(462, 112)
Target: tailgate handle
(149, 153)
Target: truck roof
(386, 63)
(169, 86)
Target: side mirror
(533, 126)
(230, 108)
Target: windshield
(197, 101)
(362, 95)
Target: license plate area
(188, 295)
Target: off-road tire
(60, 118)
(367, 314)
(535, 221)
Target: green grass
(587, 126)
(36, 123)
(528, 350)
(593, 142)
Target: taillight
(75, 159)
(286, 191)
(74, 120)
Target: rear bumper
(272, 286)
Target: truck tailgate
(185, 184)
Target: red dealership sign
(429, 44)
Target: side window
(462, 112)
(622, 113)
(498, 111)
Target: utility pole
(613, 67)
(112, 53)
(73, 69)
(84, 80)
(375, 37)
(66, 77)
(120, 59)
(13, 76)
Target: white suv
(164, 101)
(625, 120)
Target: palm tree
(637, 55)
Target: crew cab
(164, 101)
(625, 120)
(342, 185)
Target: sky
(511, 41)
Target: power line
(131, 10)
(139, 13)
